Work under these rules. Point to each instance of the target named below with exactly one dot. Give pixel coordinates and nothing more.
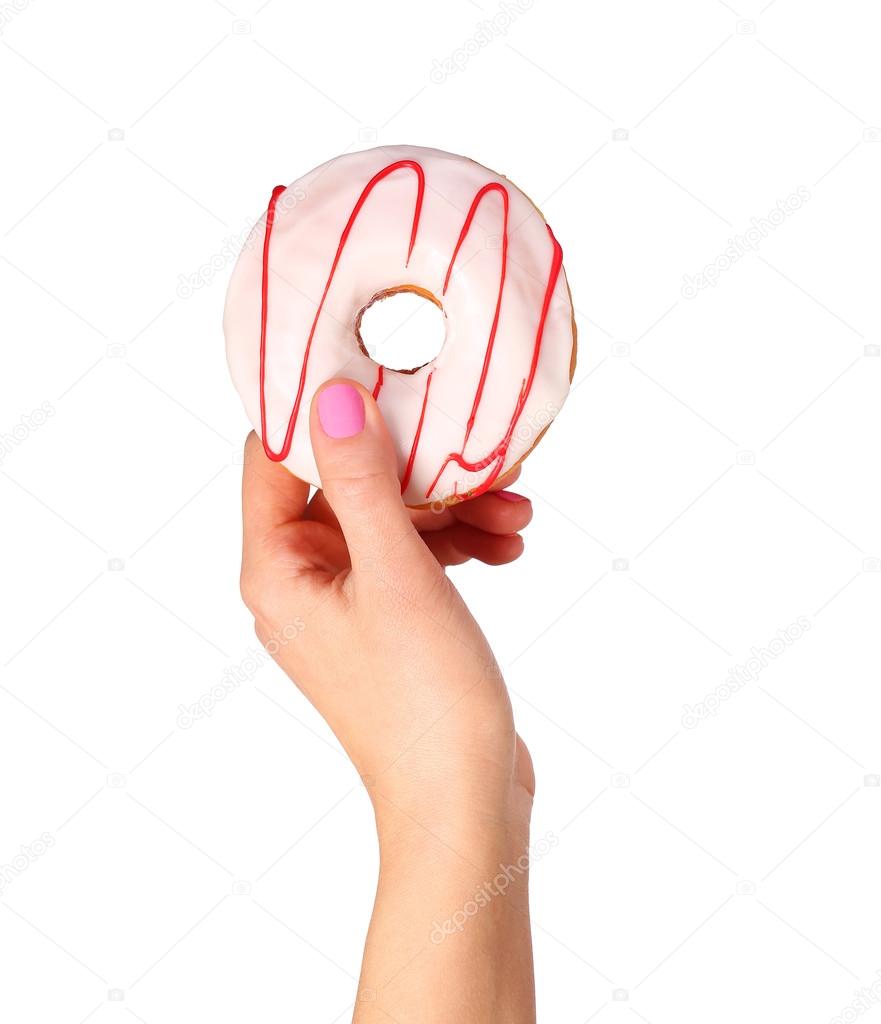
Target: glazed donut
(403, 218)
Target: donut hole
(402, 328)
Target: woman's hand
(350, 596)
(386, 649)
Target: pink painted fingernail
(510, 496)
(341, 411)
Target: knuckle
(357, 489)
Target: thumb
(359, 476)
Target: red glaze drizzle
(409, 470)
(493, 186)
(496, 457)
(281, 455)
(264, 310)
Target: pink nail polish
(341, 411)
(510, 496)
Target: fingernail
(341, 411)
(510, 496)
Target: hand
(485, 528)
(389, 654)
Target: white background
(724, 446)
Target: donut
(362, 227)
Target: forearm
(449, 938)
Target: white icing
(310, 218)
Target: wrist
(475, 824)
(487, 796)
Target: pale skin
(389, 654)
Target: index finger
(272, 496)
